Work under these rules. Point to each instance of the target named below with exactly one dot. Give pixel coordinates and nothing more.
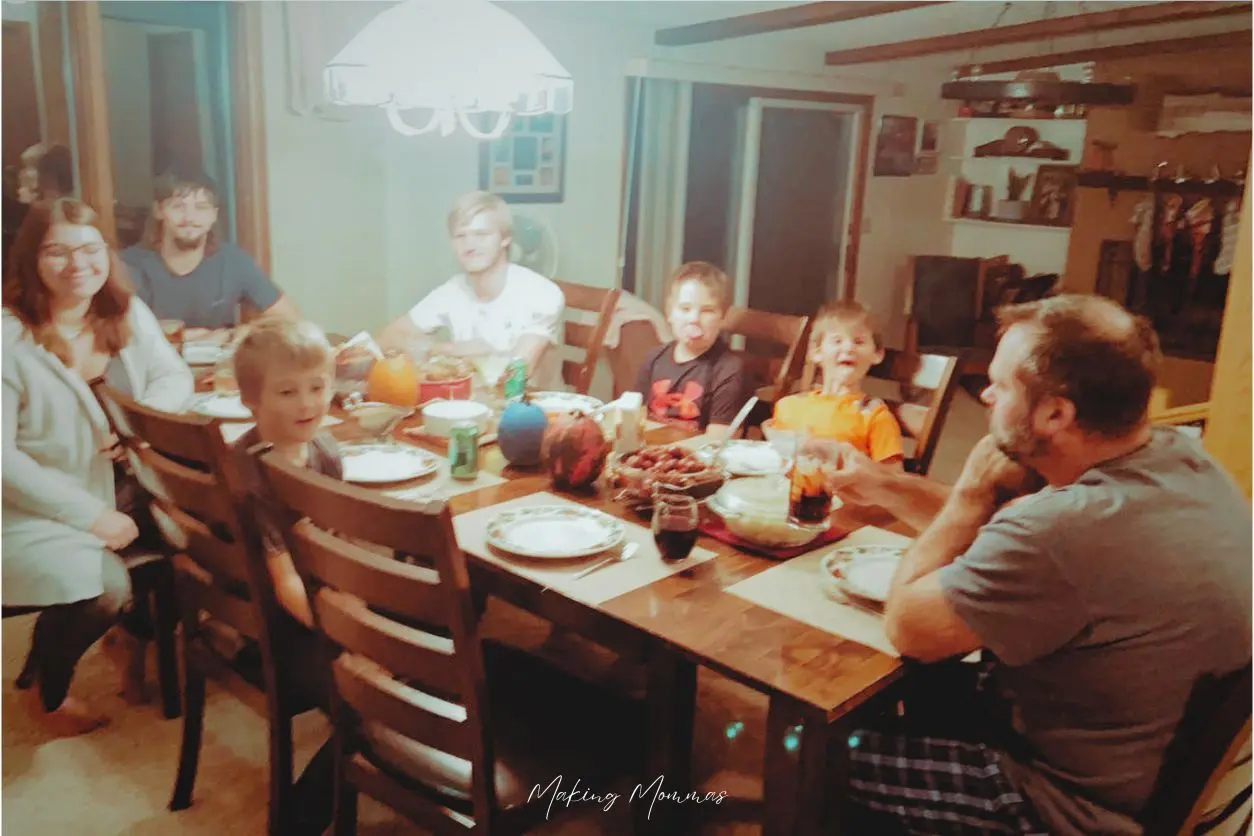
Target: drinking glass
(173, 331)
(809, 497)
(224, 373)
(675, 520)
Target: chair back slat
(400, 589)
(199, 592)
(223, 559)
(409, 653)
(380, 698)
(411, 657)
(775, 352)
(174, 435)
(600, 301)
(176, 486)
(1214, 726)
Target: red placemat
(714, 526)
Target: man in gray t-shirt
(1103, 596)
(182, 272)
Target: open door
(790, 212)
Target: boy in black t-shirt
(694, 381)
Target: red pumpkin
(574, 450)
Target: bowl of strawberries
(679, 470)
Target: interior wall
(357, 201)
(1139, 150)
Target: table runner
(558, 576)
(794, 589)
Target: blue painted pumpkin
(520, 433)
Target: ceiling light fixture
(468, 63)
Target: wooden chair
(597, 300)
(152, 591)
(1215, 725)
(449, 730)
(220, 573)
(774, 354)
(927, 385)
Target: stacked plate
(745, 458)
(861, 574)
(224, 405)
(203, 353)
(558, 402)
(554, 532)
(383, 463)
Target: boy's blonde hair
(272, 340)
(709, 276)
(467, 207)
(844, 312)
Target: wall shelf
(1115, 182)
(1028, 225)
(1010, 159)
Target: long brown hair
(26, 295)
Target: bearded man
(1116, 578)
(182, 271)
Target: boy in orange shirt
(844, 345)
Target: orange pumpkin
(394, 380)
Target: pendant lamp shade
(453, 59)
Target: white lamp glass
(453, 59)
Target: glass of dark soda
(809, 496)
(675, 521)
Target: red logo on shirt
(663, 403)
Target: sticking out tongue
(692, 332)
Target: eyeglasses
(61, 252)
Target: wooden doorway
(21, 94)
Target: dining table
(818, 683)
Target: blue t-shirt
(207, 297)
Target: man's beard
(1021, 444)
(188, 242)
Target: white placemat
(558, 576)
(794, 589)
(441, 484)
(232, 431)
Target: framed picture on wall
(1053, 195)
(528, 163)
(895, 145)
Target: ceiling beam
(1169, 46)
(1055, 27)
(777, 20)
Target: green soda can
(515, 379)
(463, 451)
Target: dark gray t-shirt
(1104, 601)
(324, 458)
(207, 297)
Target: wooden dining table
(817, 683)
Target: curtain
(659, 121)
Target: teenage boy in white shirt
(493, 307)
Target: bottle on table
(629, 433)
(515, 381)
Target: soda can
(463, 450)
(515, 379)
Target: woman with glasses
(69, 319)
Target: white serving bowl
(438, 417)
(756, 509)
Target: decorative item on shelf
(894, 147)
(1022, 141)
(1014, 207)
(1053, 196)
(574, 450)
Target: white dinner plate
(202, 354)
(565, 402)
(864, 571)
(746, 458)
(381, 463)
(226, 406)
(555, 532)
